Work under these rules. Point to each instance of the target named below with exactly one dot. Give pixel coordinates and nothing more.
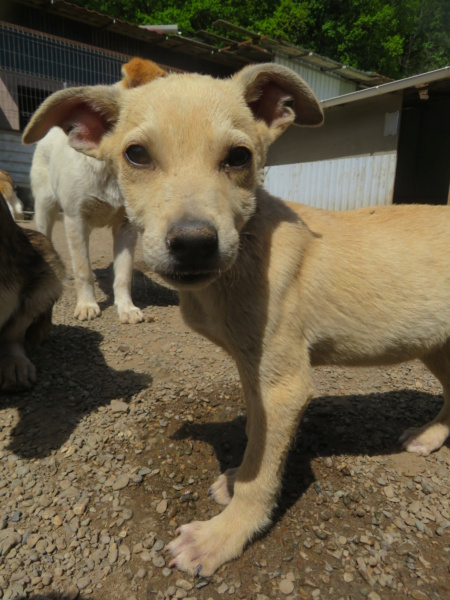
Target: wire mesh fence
(34, 65)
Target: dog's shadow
(66, 390)
(145, 291)
(332, 426)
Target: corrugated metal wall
(339, 184)
(324, 85)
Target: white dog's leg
(273, 414)
(125, 238)
(45, 213)
(430, 437)
(78, 240)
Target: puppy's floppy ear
(279, 97)
(138, 71)
(85, 114)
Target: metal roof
(307, 57)
(215, 48)
(416, 87)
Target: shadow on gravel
(144, 291)
(73, 381)
(334, 426)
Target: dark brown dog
(31, 276)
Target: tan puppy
(87, 191)
(280, 287)
(31, 275)
(9, 194)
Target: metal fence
(33, 65)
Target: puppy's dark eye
(238, 157)
(137, 155)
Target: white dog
(87, 191)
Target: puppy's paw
(203, 546)
(87, 312)
(424, 440)
(130, 314)
(17, 373)
(222, 489)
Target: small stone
(184, 585)
(72, 593)
(127, 514)
(41, 546)
(13, 540)
(33, 539)
(388, 491)
(83, 583)
(364, 572)
(124, 551)
(79, 508)
(121, 482)
(146, 556)
(419, 595)
(321, 534)
(46, 578)
(326, 515)
(118, 406)
(222, 588)
(112, 554)
(158, 546)
(286, 586)
(158, 561)
(161, 507)
(348, 576)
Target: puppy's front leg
(125, 238)
(78, 240)
(275, 402)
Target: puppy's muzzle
(194, 249)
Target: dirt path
(129, 425)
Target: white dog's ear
(86, 114)
(279, 97)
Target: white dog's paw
(16, 373)
(223, 488)
(424, 440)
(130, 314)
(87, 311)
(203, 546)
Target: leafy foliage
(396, 37)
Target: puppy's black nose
(192, 243)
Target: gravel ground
(129, 425)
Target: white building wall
(337, 184)
(324, 85)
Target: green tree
(393, 37)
